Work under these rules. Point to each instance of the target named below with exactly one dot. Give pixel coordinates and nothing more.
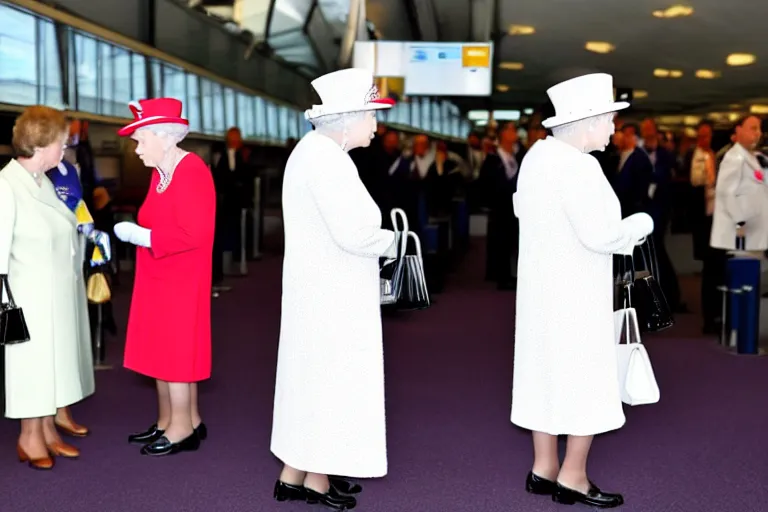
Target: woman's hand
(133, 234)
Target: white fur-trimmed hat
(347, 90)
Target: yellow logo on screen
(476, 56)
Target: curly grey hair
(570, 129)
(335, 123)
(173, 133)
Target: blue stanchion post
(744, 274)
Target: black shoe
(164, 447)
(344, 486)
(541, 486)
(594, 497)
(150, 435)
(202, 431)
(331, 499)
(288, 492)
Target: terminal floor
(452, 447)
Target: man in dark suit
(633, 181)
(660, 208)
(497, 183)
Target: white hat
(582, 97)
(347, 90)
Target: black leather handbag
(653, 311)
(13, 327)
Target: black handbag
(13, 327)
(653, 311)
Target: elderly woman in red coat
(169, 328)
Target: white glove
(640, 225)
(133, 234)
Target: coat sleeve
(193, 213)
(581, 192)
(7, 220)
(738, 207)
(340, 196)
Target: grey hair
(338, 122)
(173, 132)
(569, 130)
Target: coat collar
(45, 193)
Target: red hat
(154, 111)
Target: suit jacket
(497, 189)
(741, 195)
(663, 172)
(632, 183)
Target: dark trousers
(713, 275)
(501, 246)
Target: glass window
(246, 115)
(273, 130)
(174, 83)
(295, 117)
(207, 99)
(51, 93)
(426, 115)
(118, 87)
(415, 113)
(283, 121)
(18, 72)
(260, 117)
(289, 14)
(139, 77)
(217, 98)
(86, 66)
(230, 109)
(192, 106)
(105, 79)
(157, 79)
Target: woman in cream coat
(40, 253)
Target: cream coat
(329, 395)
(740, 197)
(40, 250)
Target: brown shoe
(44, 463)
(62, 449)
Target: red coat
(169, 327)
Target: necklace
(166, 177)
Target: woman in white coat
(330, 332)
(40, 254)
(565, 374)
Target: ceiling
(556, 52)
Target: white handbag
(637, 382)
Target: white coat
(740, 197)
(329, 395)
(565, 373)
(40, 251)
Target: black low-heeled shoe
(344, 486)
(534, 484)
(593, 498)
(288, 492)
(150, 435)
(332, 499)
(165, 447)
(202, 431)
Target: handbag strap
(4, 285)
(394, 214)
(416, 243)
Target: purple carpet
(451, 445)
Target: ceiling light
(740, 59)
(675, 73)
(674, 11)
(638, 94)
(502, 88)
(735, 106)
(521, 30)
(512, 66)
(691, 120)
(707, 74)
(758, 109)
(599, 47)
(661, 73)
(528, 111)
